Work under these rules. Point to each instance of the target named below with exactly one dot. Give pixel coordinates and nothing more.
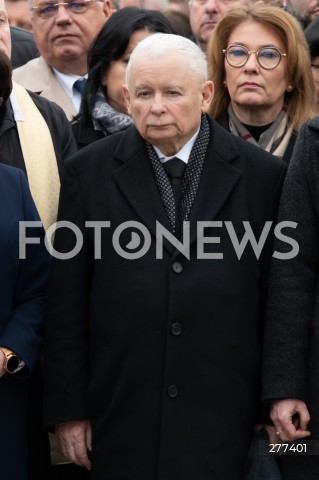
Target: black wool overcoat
(161, 354)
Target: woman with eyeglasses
(259, 63)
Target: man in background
(63, 33)
(204, 15)
(19, 14)
(304, 10)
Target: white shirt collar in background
(67, 80)
(17, 113)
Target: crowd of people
(160, 201)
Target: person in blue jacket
(22, 300)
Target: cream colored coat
(38, 77)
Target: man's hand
(291, 418)
(75, 439)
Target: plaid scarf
(274, 140)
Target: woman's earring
(290, 88)
(225, 83)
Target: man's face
(5, 37)
(166, 102)
(19, 14)
(204, 15)
(65, 38)
(305, 10)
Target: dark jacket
(85, 134)
(291, 363)
(261, 465)
(11, 154)
(60, 129)
(23, 47)
(22, 301)
(162, 355)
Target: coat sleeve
(66, 339)
(292, 285)
(24, 332)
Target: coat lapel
(136, 181)
(53, 91)
(219, 178)
(38, 77)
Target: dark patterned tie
(175, 169)
(79, 85)
(191, 178)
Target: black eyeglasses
(49, 9)
(267, 57)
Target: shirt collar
(67, 80)
(182, 154)
(17, 113)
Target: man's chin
(69, 54)
(206, 32)
(163, 131)
(68, 51)
(158, 137)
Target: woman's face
(114, 78)
(251, 86)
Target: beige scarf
(39, 157)
(274, 140)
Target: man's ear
(126, 96)
(107, 10)
(207, 95)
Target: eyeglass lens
(48, 9)
(267, 57)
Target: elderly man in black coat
(291, 358)
(153, 348)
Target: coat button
(172, 391)
(176, 328)
(177, 267)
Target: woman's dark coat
(22, 295)
(291, 359)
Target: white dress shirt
(67, 80)
(182, 154)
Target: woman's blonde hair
(300, 101)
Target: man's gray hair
(164, 44)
